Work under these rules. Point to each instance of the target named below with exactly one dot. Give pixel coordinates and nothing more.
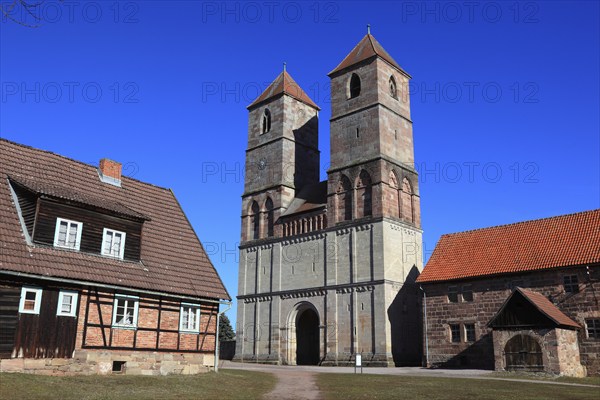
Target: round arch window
(354, 86)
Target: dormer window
(266, 121)
(393, 88)
(354, 86)
(67, 234)
(113, 243)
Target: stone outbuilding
(523, 296)
(531, 334)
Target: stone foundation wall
(86, 362)
(488, 296)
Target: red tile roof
(543, 305)
(565, 240)
(173, 260)
(546, 307)
(368, 47)
(284, 84)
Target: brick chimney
(110, 171)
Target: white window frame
(466, 336)
(105, 232)
(75, 296)
(69, 222)
(38, 300)
(127, 299)
(188, 306)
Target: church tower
(282, 155)
(373, 199)
(371, 139)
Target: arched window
(270, 217)
(394, 193)
(266, 121)
(406, 201)
(255, 221)
(393, 88)
(354, 86)
(363, 194)
(344, 199)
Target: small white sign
(358, 360)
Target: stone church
(327, 268)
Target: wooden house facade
(99, 273)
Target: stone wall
(358, 279)
(560, 350)
(94, 362)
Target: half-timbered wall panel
(157, 326)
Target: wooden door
(523, 353)
(9, 318)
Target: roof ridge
(520, 222)
(279, 87)
(77, 161)
(365, 50)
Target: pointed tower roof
(284, 84)
(368, 47)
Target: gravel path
(294, 384)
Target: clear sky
(505, 97)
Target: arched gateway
(304, 338)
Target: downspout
(217, 337)
(426, 333)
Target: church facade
(327, 268)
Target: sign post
(358, 362)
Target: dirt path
(294, 384)
(299, 382)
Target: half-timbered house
(99, 272)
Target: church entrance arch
(305, 341)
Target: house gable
(527, 309)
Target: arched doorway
(307, 338)
(523, 353)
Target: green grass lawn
(588, 380)
(227, 384)
(350, 386)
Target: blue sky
(505, 97)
